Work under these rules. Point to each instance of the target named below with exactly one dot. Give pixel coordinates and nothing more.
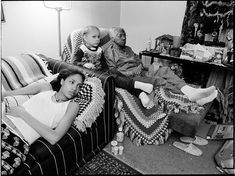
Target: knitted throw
(143, 126)
(150, 126)
(91, 101)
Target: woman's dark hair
(63, 75)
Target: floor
(167, 159)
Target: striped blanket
(22, 70)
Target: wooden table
(153, 54)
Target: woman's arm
(51, 135)
(30, 89)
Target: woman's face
(120, 38)
(71, 85)
(92, 38)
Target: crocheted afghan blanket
(143, 126)
(91, 101)
(150, 126)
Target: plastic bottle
(120, 150)
(114, 146)
(120, 135)
(149, 42)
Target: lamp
(58, 6)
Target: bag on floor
(224, 158)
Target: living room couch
(75, 148)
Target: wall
(145, 19)
(31, 27)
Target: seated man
(121, 58)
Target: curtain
(207, 21)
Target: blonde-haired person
(89, 54)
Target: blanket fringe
(139, 138)
(94, 108)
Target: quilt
(143, 126)
(150, 126)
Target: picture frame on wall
(2, 15)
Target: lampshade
(63, 5)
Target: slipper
(197, 140)
(188, 148)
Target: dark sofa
(75, 148)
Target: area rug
(106, 164)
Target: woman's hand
(17, 111)
(89, 65)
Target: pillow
(91, 101)
(20, 71)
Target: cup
(113, 144)
(115, 150)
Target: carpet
(167, 159)
(104, 163)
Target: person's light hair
(114, 31)
(87, 29)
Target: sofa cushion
(22, 70)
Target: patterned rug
(104, 163)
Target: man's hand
(89, 65)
